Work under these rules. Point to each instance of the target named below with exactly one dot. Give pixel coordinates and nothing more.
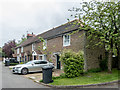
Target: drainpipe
(85, 60)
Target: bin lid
(48, 67)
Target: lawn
(88, 78)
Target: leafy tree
(102, 20)
(22, 40)
(8, 48)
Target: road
(10, 80)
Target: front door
(58, 62)
(34, 57)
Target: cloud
(18, 17)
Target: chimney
(30, 35)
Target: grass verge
(88, 78)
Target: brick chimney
(30, 35)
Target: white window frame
(64, 44)
(33, 46)
(18, 58)
(45, 44)
(18, 51)
(21, 49)
(43, 56)
(34, 54)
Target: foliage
(8, 48)
(41, 80)
(101, 20)
(73, 63)
(21, 62)
(22, 40)
(13, 64)
(95, 70)
(0, 51)
(103, 64)
(50, 60)
(41, 39)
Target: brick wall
(28, 48)
(56, 45)
(93, 54)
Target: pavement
(10, 80)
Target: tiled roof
(30, 35)
(67, 27)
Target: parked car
(31, 66)
(11, 61)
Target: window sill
(66, 45)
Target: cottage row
(55, 41)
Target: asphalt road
(10, 80)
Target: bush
(103, 64)
(73, 63)
(21, 62)
(13, 64)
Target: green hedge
(13, 64)
(73, 63)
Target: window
(45, 44)
(37, 62)
(42, 57)
(66, 40)
(21, 49)
(43, 62)
(33, 46)
(18, 51)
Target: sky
(37, 16)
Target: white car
(31, 66)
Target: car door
(43, 63)
(37, 66)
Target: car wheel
(24, 71)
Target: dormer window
(66, 40)
(45, 44)
(18, 51)
(33, 46)
(21, 49)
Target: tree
(8, 48)
(102, 20)
(22, 40)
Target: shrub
(13, 64)
(21, 62)
(103, 64)
(73, 63)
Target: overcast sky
(37, 16)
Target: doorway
(34, 57)
(58, 61)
